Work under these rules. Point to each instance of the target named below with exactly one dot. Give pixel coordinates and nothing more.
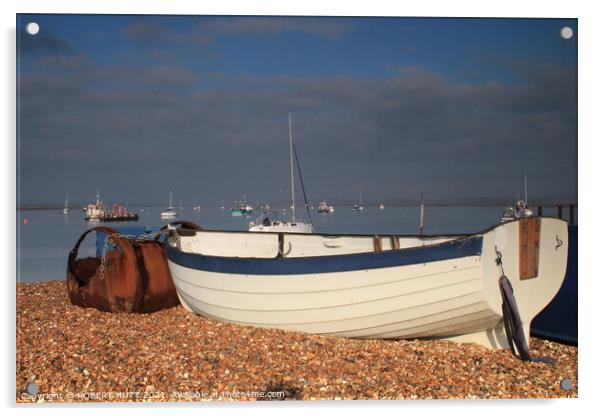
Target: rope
(302, 185)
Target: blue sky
(458, 108)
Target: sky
(138, 106)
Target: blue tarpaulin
(123, 229)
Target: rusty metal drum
(131, 275)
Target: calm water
(43, 244)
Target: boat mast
(290, 136)
(526, 204)
(421, 213)
(170, 200)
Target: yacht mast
(290, 136)
(421, 213)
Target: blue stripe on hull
(327, 264)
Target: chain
(131, 238)
(103, 257)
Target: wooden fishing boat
(366, 286)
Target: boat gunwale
(460, 237)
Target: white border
(589, 35)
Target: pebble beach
(66, 353)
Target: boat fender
(513, 325)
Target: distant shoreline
(343, 204)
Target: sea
(46, 236)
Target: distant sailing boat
(267, 225)
(358, 207)
(170, 212)
(66, 209)
(519, 210)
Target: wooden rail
(559, 211)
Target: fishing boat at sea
(98, 212)
(242, 209)
(119, 213)
(373, 286)
(265, 223)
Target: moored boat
(119, 213)
(66, 208)
(242, 209)
(324, 208)
(170, 212)
(519, 210)
(96, 212)
(366, 286)
(358, 207)
(268, 225)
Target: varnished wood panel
(529, 247)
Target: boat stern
(533, 255)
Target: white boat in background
(265, 224)
(96, 212)
(66, 208)
(381, 206)
(324, 208)
(277, 226)
(366, 286)
(170, 212)
(518, 210)
(358, 207)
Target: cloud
(44, 43)
(414, 129)
(144, 31)
(207, 29)
(327, 28)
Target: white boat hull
(455, 296)
(283, 227)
